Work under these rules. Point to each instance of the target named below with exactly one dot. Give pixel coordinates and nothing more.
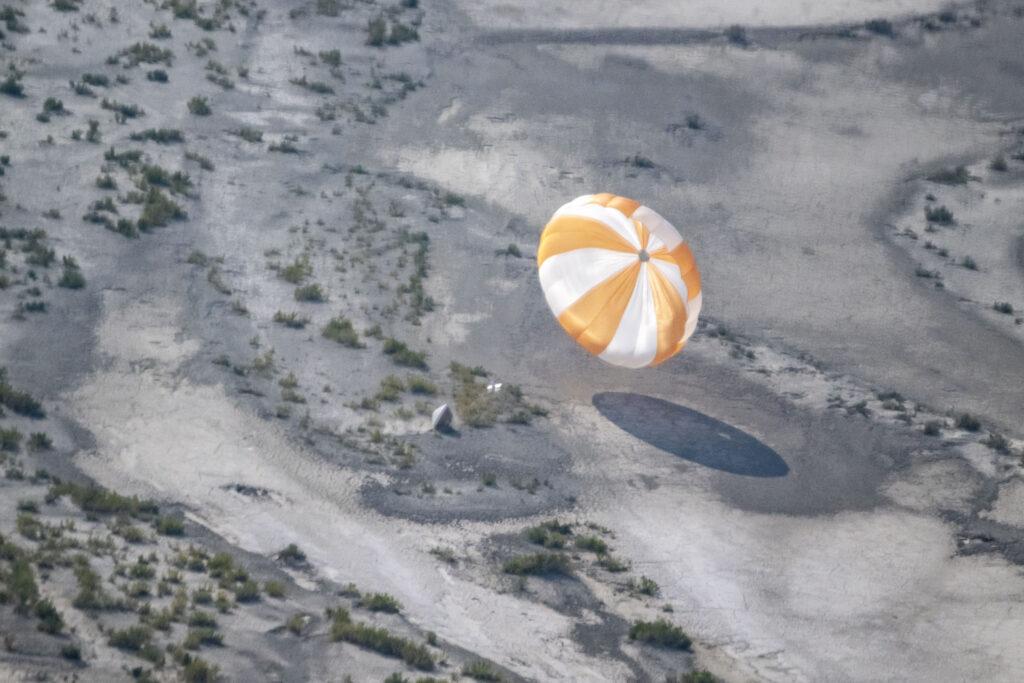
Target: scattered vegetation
(661, 633)
(199, 106)
(379, 640)
(940, 215)
(341, 330)
(540, 564)
(950, 176)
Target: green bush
(131, 638)
(403, 355)
(292, 320)
(480, 670)
(199, 106)
(592, 543)
(274, 589)
(10, 439)
(72, 278)
(291, 555)
(247, 591)
(379, 640)
(100, 501)
(380, 602)
(933, 427)
(170, 526)
(661, 633)
(199, 671)
(1003, 307)
(939, 214)
(968, 422)
(202, 636)
(950, 176)
(312, 292)
(539, 564)
(340, 329)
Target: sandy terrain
(825, 485)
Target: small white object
(441, 417)
(494, 388)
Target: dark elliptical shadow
(690, 435)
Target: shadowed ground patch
(690, 435)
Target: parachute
(620, 279)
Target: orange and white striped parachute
(620, 279)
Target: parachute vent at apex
(620, 279)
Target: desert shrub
(39, 441)
(131, 638)
(1003, 307)
(968, 422)
(12, 87)
(295, 623)
(21, 585)
(10, 439)
(157, 76)
(696, 676)
(661, 633)
(158, 210)
(98, 80)
(330, 57)
(71, 652)
(248, 134)
(998, 164)
(591, 543)
(199, 106)
(421, 386)
(612, 564)
(247, 591)
(170, 526)
(202, 635)
(121, 110)
(163, 136)
(204, 162)
(376, 31)
(401, 354)
(539, 564)
(147, 53)
(101, 501)
(199, 671)
(202, 619)
(882, 27)
(997, 442)
(737, 35)
(380, 602)
(950, 176)
(969, 263)
(274, 589)
(939, 214)
(292, 320)
(648, 586)
(312, 292)
(291, 555)
(72, 278)
(480, 670)
(390, 389)
(933, 427)
(379, 640)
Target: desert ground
(247, 247)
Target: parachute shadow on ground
(690, 435)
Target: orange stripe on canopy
(593, 319)
(642, 233)
(687, 269)
(567, 233)
(623, 204)
(670, 312)
(601, 198)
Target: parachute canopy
(620, 279)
